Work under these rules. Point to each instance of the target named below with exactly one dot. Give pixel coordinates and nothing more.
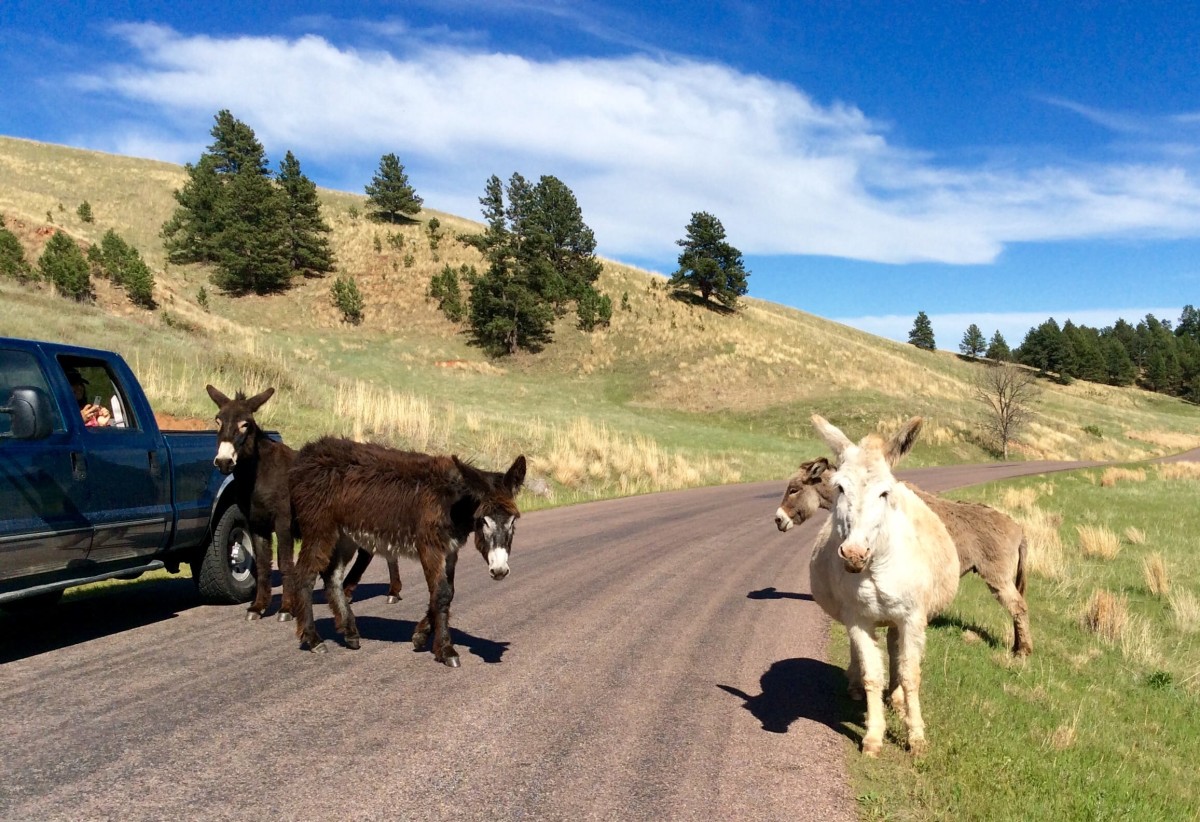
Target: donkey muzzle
(854, 557)
(782, 521)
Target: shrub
(63, 264)
(444, 288)
(85, 212)
(347, 299)
(12, 256)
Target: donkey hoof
(284, 616)
(353, 644)
(872, 747)
(451, 661)
(392, 599)
(319, 648)
(917, 747)
(252, 616)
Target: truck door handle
(78, 466)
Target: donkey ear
(220, 399)
(902, 441)
(832, 435)
(474, 478)
(256, 402)
(817, 468)
(515, 477)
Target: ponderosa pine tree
(998, 349)
(233, 215)
(121, 262)
(973, 343)
(308, 242)
(253, 249)
(390, 192)
(921, 334)
(708, 264)
(540, 257)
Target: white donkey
(883, 559)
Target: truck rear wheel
(225, 574)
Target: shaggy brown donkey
(260, 466)
(395, 502)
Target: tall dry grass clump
(1112, 476)
(1098, 541)
(1046, 555)
(1106, 615)
(1135, 535)
(1179, 470)
(586, 453)
(1185, 610)
(1154, 571)
(1019, 499)
(400, 418)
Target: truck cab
(90, 488)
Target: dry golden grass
(1185, 610)
(585, 453)
(1046, 554)
(1139, 643)
(1098, 541)
(1112, 476)
(1135, 535)
(1167, 440)
(401, 419)
(1106, 615)
(1154, 571)
(1179, 470)
(1019, 499)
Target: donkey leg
(1008, 596)
(393, 581)
(895, 692)
(339, 604)
(306, 630)
(854, 686)
(863, 638)
(912, 649)
(361, 561)
(439, 576)
(285, 547)
(262, 577)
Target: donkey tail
(1022, 557)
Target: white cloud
(948, 329)
(642, 142)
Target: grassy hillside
(670, 395)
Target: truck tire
(225, 574)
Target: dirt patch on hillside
(169, 422)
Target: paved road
(657, 657)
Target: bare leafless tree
(1008, 392)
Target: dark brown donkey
(989, 542)
(395, 502)
(260, 466)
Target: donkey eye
(884, 495)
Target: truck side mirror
(30, 411)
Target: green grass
(1085, 729)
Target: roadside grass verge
(1103, 720)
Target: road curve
(656, 657)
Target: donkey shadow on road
(801, 688)
(400, 631)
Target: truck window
(21, 369)
(102, 400)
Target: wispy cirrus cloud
(643, 142)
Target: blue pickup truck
(83, 500)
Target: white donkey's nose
(782, 521)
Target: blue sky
(996, 163)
